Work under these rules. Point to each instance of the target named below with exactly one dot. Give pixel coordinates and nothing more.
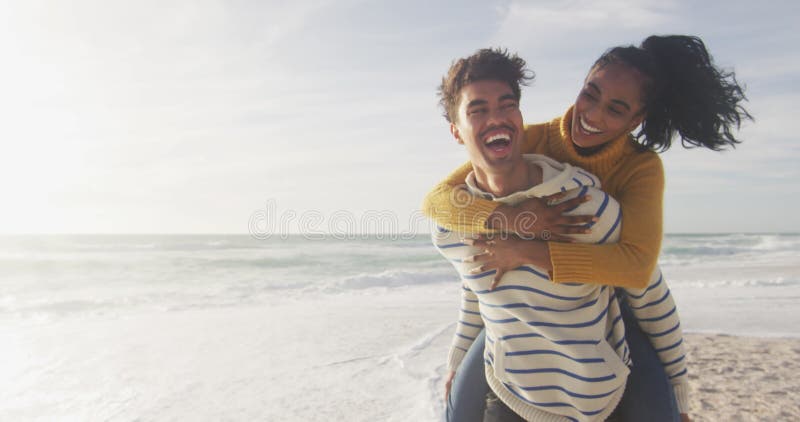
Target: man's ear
(456, 134)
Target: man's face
(489, 124)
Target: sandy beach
(225, 328)
(364, 357)
(744, 378)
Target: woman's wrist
(541, 252)
(501, 216)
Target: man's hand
(541, 218)
(448, 382)
(507, 252)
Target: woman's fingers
(575, 220)
(555, 237)
(479, 257)
(554, 197)
(496, 280)
(480, 268)
(576, 226)
(572, 203)
(575, 230)
(479, 241)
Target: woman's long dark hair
(684, 92)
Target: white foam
(326, 357)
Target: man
(553, 351)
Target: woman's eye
(615, 111)
(587, 95)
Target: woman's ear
(637, 120)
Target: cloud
(208, 108)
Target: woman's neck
(587, 151)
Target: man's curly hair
(485, 64)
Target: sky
(321, 116)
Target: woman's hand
(541, 218)
(507, 252)
(685, 417)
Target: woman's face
(608, 106)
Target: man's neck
(518, 177)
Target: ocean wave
(731, 244)
(390, 279)
(177, 296)
(713, 284)
(58, 307)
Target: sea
(44, 277)
(230, 327)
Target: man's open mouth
(498, 142)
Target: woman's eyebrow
(615, 101)
(622, 103)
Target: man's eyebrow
(478, 102)
(508, 97)
(615, 101)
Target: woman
(667, 85)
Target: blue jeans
(648, 393)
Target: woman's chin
(580, 139)
(586, 140)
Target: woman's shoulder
(638, 156)
(639, 166)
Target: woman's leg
(648, 393)
(468, 392)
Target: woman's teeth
(585, 126)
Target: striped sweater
(557, 351)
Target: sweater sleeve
(469, 326)
(657, 315)
(631, 261)
(451, 205)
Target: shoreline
(752, 335)
(374, 354)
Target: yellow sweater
(634, 177)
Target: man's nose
(497, 115)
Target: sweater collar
(600, 162)
(556, 177)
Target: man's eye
(477, 111)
